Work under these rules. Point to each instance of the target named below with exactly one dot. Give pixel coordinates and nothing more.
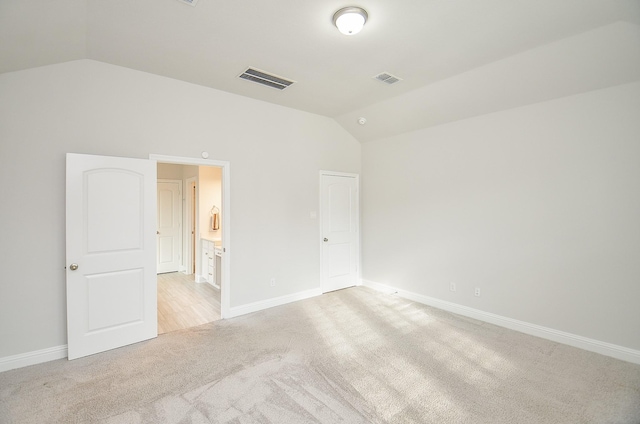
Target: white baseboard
(604, 348)
(270, 303)
(60, 352)
(33, 358)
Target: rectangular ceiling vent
(189, 2)
(261, 77)
(387, 78)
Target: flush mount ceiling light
(350, 20)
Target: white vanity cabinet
(209, 262)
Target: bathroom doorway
(198, 292)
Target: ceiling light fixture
(350, 20)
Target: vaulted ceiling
(456, 58)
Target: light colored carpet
(353, 356)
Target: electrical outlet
(452, 287)
(477, 292)
(272, 282)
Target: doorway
(199, 292)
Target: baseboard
(33, 358)
(60, 352)
(604, 348)
(270, 303)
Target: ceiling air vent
(189, 2)
(261, 77)
(387, 78)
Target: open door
(111, 252)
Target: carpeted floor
(353, 356)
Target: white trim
(189, 206)
(321, 230)
(270, 303)
(180, 160)
(339, 174)
(592, 345)
(32, 358)
(225, 220)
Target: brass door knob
(73, 267)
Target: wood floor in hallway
(183, 303)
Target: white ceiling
(457, 58)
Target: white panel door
(111, 252)
(169, 234)
(340, 245)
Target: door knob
(73, 267)
(157, 232)
(326, 239)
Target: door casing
(191, 203)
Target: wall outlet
(477, 292)
(272, 282)
(452, 287)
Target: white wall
(210, 194)
(603, 57)
(539, 206)
(95, 108)
(170, 171)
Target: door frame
(320, 226)
(225, 220)
(190, 206)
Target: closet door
(339, 228)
